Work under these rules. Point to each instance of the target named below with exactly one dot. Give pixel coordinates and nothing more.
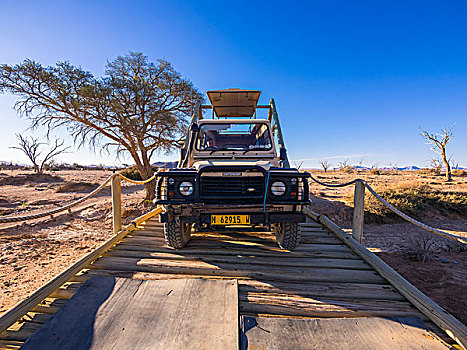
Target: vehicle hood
(265, 164)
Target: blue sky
(351, 79)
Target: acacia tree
(138, 106)
(439, 142)
(31, 148)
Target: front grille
(230, 187)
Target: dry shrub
(459, 172)
(81, 186)
(133, 173)
(415, 199)
(345, 167)
(421, 246)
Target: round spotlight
(278, 188)
(186, 188)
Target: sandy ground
(435, 265)
(32, 253)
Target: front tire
(176, 234)
(287, 234)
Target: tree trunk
(146, 172)
(150, 188)
(448, 167)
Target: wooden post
(358, 211)
(116, 203)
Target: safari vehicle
(233, 174)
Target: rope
(398, 212)
(413, 221)
(57, 210)
(136, 181)
(334, 185)
(73, 204)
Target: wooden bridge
(229, 291)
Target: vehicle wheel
(287, 234)
(177, 235)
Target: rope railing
(428, 228)
(334, 185)
(9, 219)
(138, 182)
(413, 221)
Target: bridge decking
(323, 278)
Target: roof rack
(238, 103)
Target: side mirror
(282, 154)
(194, 128)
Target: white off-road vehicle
(233, 174)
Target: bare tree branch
(439, 142)
(32, 150)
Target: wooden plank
(10, 344)
(24, 306)
(233, 270)
(296, 305)
(245, 259)
(316, 238)
(269, 240)
(49, 305)
(35, 317)
(235, 251)
(165, 314)
(323, 290)
(338, 333)
(256, 236)
(20, 331)
(314, 289)
(229, 244)
(448, 323)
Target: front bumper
(256, 218)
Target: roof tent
(234, 103)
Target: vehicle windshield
(231, 136)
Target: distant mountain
(410, 167)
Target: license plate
(230, 219)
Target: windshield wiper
(254, 149)
(219, 149)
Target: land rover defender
(233, 174)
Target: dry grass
(416, 199)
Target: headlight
(278, 188)
(186, 188)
